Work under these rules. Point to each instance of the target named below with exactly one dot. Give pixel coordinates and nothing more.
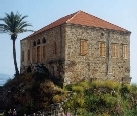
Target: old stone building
(78, 47)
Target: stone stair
(1, 99)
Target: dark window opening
(43, 40)
(38, 41)
(34, 43)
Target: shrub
(93, 85)
(110, 101)
(59, 98)
(106, 84)
(134, 88)
(85, 85)
(124, 91)
(68, 87)
(80, 102)
(98, 84)
(59, 90)
(112, 85)
(83, 112)
(77, 88)
(56, 99)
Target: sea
(4, 78)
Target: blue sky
(42, 12)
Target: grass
(1, 114)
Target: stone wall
(92, 65)
(68, 63)
(52, 36)
(25, 45)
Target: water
(4, 78)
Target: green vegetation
(103, 98)
(33, 92)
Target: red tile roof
(82, 18)
(56, 23)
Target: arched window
(34, 43)
(38, 41)
(43, 40)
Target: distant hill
(4, 78)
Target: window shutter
(83, 47)
(125, 51)
(102, 49)
(114, 50)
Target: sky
(43, 12)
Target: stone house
(79, 47)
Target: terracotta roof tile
(54, 24)
(81, 18)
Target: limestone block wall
(92, 65)
(74, 66)
(25, 46)
(47, 52)
(119, 67)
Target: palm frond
(14, 23)
(23, 24)
(25, 30)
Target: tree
(14, 25)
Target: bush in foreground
(33, 92)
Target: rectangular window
(44, 51)
(54, 48)
(125, 51)
(22, 56)
(83, 47)
(102, 49)
(28, 54)
(114, 50)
